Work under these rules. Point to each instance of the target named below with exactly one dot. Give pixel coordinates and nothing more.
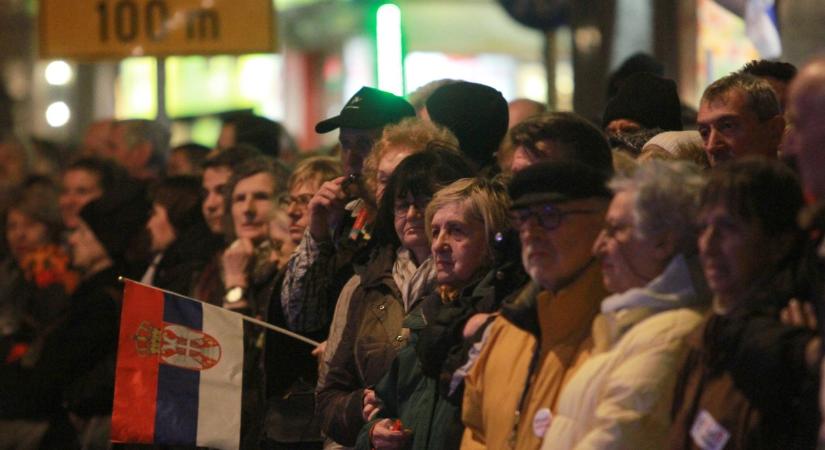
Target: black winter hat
(475, 113)
(118, 216)
(650, 100)
(557, 182)
(368, 108)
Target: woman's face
(735, 253)
(627, 260)
(297, 208)
(386, 166)
(85, 248)
(459, 245)
(160, 229)
(409, 224)
(24, 233)
(79, 188)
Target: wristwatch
(234, 294)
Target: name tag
(707, 434)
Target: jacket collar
(571, 309)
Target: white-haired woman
(620, 397)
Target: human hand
(388, 434)
(799, 314)
(235, 259)
(318, 352)
(328, 203)
(372, 405)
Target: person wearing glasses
(290, 370)
(543, 336)
(398, 274)
(647, 250)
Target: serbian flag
(179, 371)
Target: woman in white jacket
(620, 398)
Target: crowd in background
(480, 274)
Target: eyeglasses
(402, 206)
(301, 201)
(548, 216)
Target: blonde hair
(412, 134)
(486, 201)
(317, 169)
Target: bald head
(522, 108)
(806, 138)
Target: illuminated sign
(98, 29)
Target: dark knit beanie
(118, 216)
(650, 100)
(475, 113)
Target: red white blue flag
(179, 371)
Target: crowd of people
(479, 274)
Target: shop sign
(101, 29)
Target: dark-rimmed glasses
(548, 216)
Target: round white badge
(541, 421)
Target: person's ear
(665, 246)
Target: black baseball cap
(368, 108)
(557, 182)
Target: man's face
(79, 188)
(86, 250)
(527, 155)
(806, 136)
(355, 146)
(733, 252)
(553, 256)
(730, 129)
(213, 183)
(253, 201)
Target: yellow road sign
(100, 29)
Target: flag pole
(243, 316)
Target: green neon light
(388, 45)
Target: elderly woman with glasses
(620, 397)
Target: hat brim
(327, 125)
(536, 198)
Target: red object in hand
(16, 352)
(397, 425)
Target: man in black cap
(339, 218)
(544, 334)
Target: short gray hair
(665, 197)
(759, 95)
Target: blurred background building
(556, 51)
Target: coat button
(382, 307)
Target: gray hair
(759, 95)
(152, 131)
(665, 198)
